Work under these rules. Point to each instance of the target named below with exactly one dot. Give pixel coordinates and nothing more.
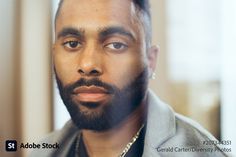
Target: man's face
(100, 61)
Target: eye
(72, 44)
(116, 46)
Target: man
(103, 59)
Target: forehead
(86, 13)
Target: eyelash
(71, 46)
(121, 45)
(75, 44)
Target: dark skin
(100, 40)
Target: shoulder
(63, 138)
(191, 139)
(171, 134)
(187, 127)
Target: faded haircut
(143, 10)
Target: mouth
(91, 93)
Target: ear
(152, 58)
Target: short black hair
(143, 6)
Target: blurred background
(195, 70)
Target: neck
(112, 142)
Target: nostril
(94, 72)
(81, 71)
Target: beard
(122, 103)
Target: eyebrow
(103, 33)
(71, 31)
(107, 31)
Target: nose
(90, 63)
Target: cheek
(65, 68)
(125, 69)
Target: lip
(90, 93)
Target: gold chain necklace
(128, 146)
(123, 153)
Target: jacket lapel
(160, 125)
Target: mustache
(91, 82)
